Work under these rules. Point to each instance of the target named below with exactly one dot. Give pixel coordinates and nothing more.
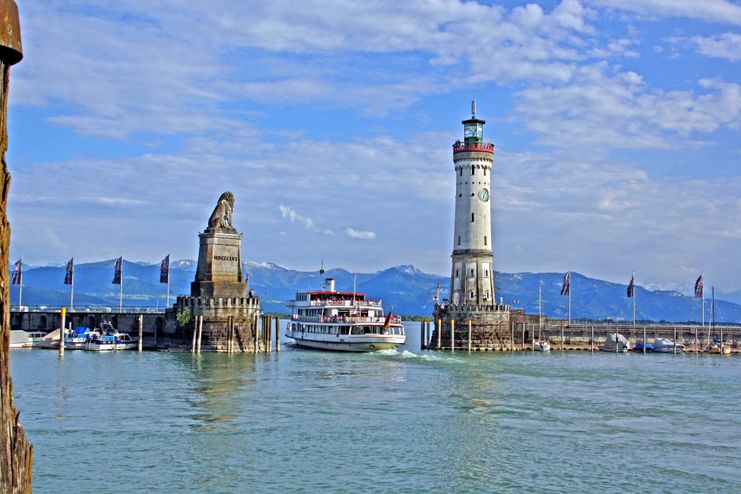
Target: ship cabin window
(357, 330)
(345, 330)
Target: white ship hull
(351, 344)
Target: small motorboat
(78, 337)
(616, 343)
(541, 346)
(719, 349)
(20, 339)
(110, 340)
(665, 345)
(641, 345)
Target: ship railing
(345, 319)
(345, 303)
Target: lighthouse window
(471, 294)
(459, 239)
(457, 273)
(461, 170)
(473, 171)
(471, 217)
(484, 171)
(472, 272)
(484, 239)
(486, 273)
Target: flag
(387, 323)
(631, 287)
(247, 278)
(69, 275)
(117, 271)
(18, 272)
(165, 269)
(698, 288)
(566, 288)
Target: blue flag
(69, 275)
(631, 287)
(566, 288)
(165, 269)
(18, 272)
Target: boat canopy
(81, 330)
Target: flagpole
(120, 288)
(20, 293)
(167, 295)
(72, 292)
(569, 298)
(634, 302)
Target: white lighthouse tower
(482, 323)
(472, 276)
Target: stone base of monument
(490, 327)
(216, 313)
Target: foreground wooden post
(255, 333)
(141, 334)
(277, 334)
(195, 330)
(61, 333)
(200, 333)
(452, 335)
(469, 335)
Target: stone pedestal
(219, 272)
(490, 327)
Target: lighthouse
(472, 307)
(472, 275)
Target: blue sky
(616, 125)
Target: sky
(616, 126)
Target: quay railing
(89, 308)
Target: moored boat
(342, 321)
(78, 338)
(665, 345)
(541, 346)
(640, 346)
(616, 343)
(110, 340)
(719, 349)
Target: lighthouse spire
(473, 108)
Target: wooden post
(422, 331)
(231, 334)
(452, 335)
(591, 341)
(61, 333)
(200, 333)
(141, 334)
(511, 337)
(255, 333)
(562, 337)
(523, 337)
(696, 343)
(439, 334)
(469, 335)
(193, 343)
(277, 334)
(675, 340)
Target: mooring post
(511, 338)
(591, 341)
(141, 334)
(61, 332)
(452, 335)
(644, 339)
(675, 340)
(231, 334)
(523, 337)
(255, 331)
(422, 336)
(562, 337)
(696, 343)
(439, 334)
(195, 328)
(277, 334)
(270, 335)
(469, 335)
(200, 332)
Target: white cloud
(294, 217)
(725, 45)
(721, 11)
(360, 234)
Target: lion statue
(221, 218)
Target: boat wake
(425, 357)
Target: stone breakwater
(574, 337)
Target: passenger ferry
(342, 321)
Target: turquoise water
(308, 421)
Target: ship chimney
(473, 108)
(330, 284)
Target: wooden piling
(469, 335)
(511, 338)
(255, 331)
(229, 329)
(591, 341)
(61, 333)
(141, 334)
(422, 337)
(439, 334)
(200, 334)
(452, 335)
(277, 334)
(675, 341)
(193, 343)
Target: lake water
(406, 421)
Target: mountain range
(406, 288)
